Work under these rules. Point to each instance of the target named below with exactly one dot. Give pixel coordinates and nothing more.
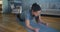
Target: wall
(45, 4)
(26, 4)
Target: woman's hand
(43, 23)
(36, 30)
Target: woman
(32, 20)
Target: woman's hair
(35, 7)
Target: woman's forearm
(27, 22)
(30, 27)
(41, 21)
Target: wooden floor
(8, 23)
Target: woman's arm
(27, 22)
(41, 21)
(30, 27)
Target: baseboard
(50, 15)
